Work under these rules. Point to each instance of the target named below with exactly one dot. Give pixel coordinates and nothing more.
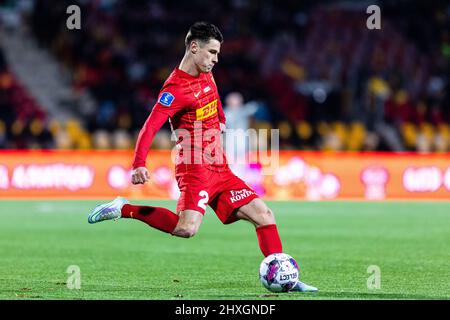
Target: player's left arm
(222, 119)
(221, 114)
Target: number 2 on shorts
(202, 202)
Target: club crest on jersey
(166, 99)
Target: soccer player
(190, 101)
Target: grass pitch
(334, 243)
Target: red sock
(269, 240)
(156, 217)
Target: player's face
(207, 55)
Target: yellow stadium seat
(84, 142)
(17, 127)
(2, 127)
(322, 128)
(356, 137)
(409, 134)
(36, 127)
(285, 130)
(340, 130)
(304, 130)
(54, 126)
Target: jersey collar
(186, 75)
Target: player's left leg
(260, 215)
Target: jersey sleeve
(170, 100)
(222, 118)
(221, 114)
(169, 103)
(153, 123)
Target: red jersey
(193, 107)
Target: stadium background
(362, 115)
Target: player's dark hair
(203, 31)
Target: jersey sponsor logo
(205, 90)
(237, 195)
(207, 110)
(166, 99)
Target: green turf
(334, 243)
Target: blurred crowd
(22, 121)
(311, 70)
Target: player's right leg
(188, 224)
(107, 211)
(159, 218)
(185, 224)
(194, 197)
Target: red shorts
(223, 191)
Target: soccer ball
(279, 272)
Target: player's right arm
(153, 123)
(167, 106)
